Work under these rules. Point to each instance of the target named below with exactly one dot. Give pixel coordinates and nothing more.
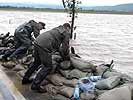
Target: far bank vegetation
(62, 10)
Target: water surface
(100, 37)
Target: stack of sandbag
(65, 80)
(65, 75)
(19, 65)
(61, 84)
(6, 40)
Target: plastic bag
(76, 92)
(86, 84)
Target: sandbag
(122, 93)
(44, 82)
(75, 73)
(108, 74)
(51, 89)
(124, 78)
(65, 65)
(21, 73)
(58, 97)
(9, 64)
(131, 88)
(56, 58)
(81, 64)
(27, 59)
(56, 79)
(130, 85)
(108, 83)
(87, 96)
(99, 92)
(66, 91)
(70, 83)
(100, 69)
(18, 67)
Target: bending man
(44, 46)
(23, 38)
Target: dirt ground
(25, 89)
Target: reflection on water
(100, 37)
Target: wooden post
(71, 7)
(73, 17)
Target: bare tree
(71, 6)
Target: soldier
(23, 38)
(45, 45)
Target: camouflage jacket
(28, 28)
(54, 39)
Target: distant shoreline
(62, 10)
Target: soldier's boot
(39, 78)
(4, 58)
(32, 67)
(7, 54)
(26, 81)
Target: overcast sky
(84, 2)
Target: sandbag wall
(61, 82)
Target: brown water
(100, 37)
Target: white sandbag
(108, 83)
(122, 93)
(111, 73)
(101, 91)
(81, 64)
(100, 69)
(75, 73)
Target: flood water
(100, 37)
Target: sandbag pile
(6, 40)
(65, 75)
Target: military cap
(43, 24)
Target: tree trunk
(73, 17)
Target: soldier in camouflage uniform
(45, 45)
(23, 38)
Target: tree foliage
(71, 6)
